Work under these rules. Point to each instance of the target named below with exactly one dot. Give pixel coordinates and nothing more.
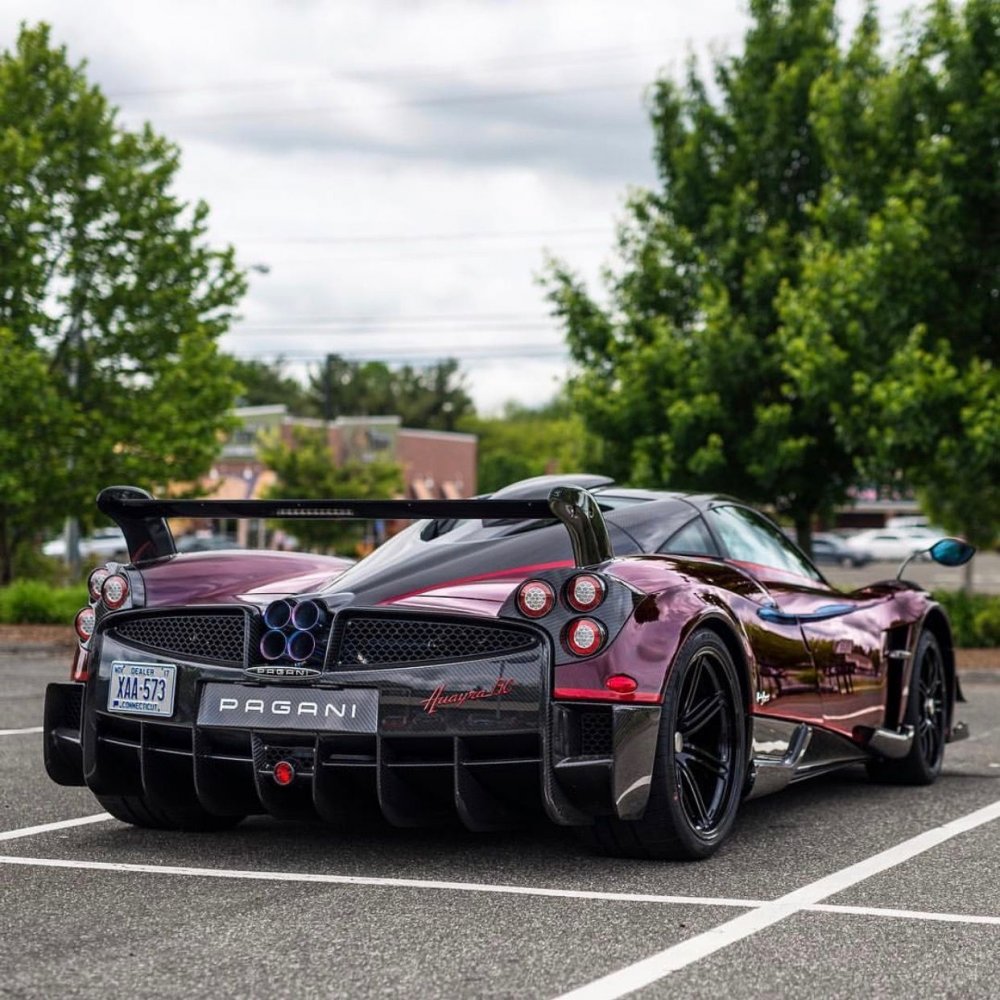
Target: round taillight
(308, 615)
(278, 614)
(584, 636)
(300, 646)
(585, 592)
(84, 623)
(535, 599)
(284, 772)
(95, 580)
(272, 644)
(621, 684)
(114, 591)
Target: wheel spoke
(692, 683)
(702, 713)
(709, 762)
(693, 796)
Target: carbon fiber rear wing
(142, 518)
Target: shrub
(975, 618)
(32, 602)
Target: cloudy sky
(399, 168)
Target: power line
(442, 99)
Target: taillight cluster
(583, 593)
(291, 629)
(103, 585)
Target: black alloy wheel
(704, 755)
(927, 711)
(700, 764)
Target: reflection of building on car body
(631, 663)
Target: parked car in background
(206, 543)
(833, 550)
(104, 543)
(898, 543)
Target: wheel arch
(936, 622)
(730, 634)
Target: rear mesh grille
(595, 734)
(376, 641)
(206, 637)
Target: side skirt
(784, 752)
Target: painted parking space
(530, 913)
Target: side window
(748, 537)
(691, 540)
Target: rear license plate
(142, 688)
(235, 706)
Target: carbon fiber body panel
(473, 738)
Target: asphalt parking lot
(837, 888)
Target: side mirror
(945, 551)
(951, 552)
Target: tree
(895, 315)
(432, 397)
(683, 369)
(34, 424)
(109, 284)
(307, 469)
(526, 442)
(262, 383)
(824, 229)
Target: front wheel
(700, 762)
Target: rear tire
(700, 764)
(926, 711)
(136, 810)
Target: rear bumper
(487, 761)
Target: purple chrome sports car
(628, 662)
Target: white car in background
(104, 543)
(893, 543)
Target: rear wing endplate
(142, 518)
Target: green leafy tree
(812, 220)
(262, 383)
(35, 422)
(681, 373)
(433, 397)
(895, 315)
(526, 442)
(307, 469)
(108, 278)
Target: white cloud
(311, 128)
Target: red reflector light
(584, 636)
(535, 599)
(84, 623)
(114, 591)
(95, 580)
(621, 683)
(284, 772)
(585, 592)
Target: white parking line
(515, 890)
(401, 883)
(63, 824)
(878, 911)
(20, 732)
(679, 956)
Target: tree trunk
(6, 560)
(803, 530)
(967, 577)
